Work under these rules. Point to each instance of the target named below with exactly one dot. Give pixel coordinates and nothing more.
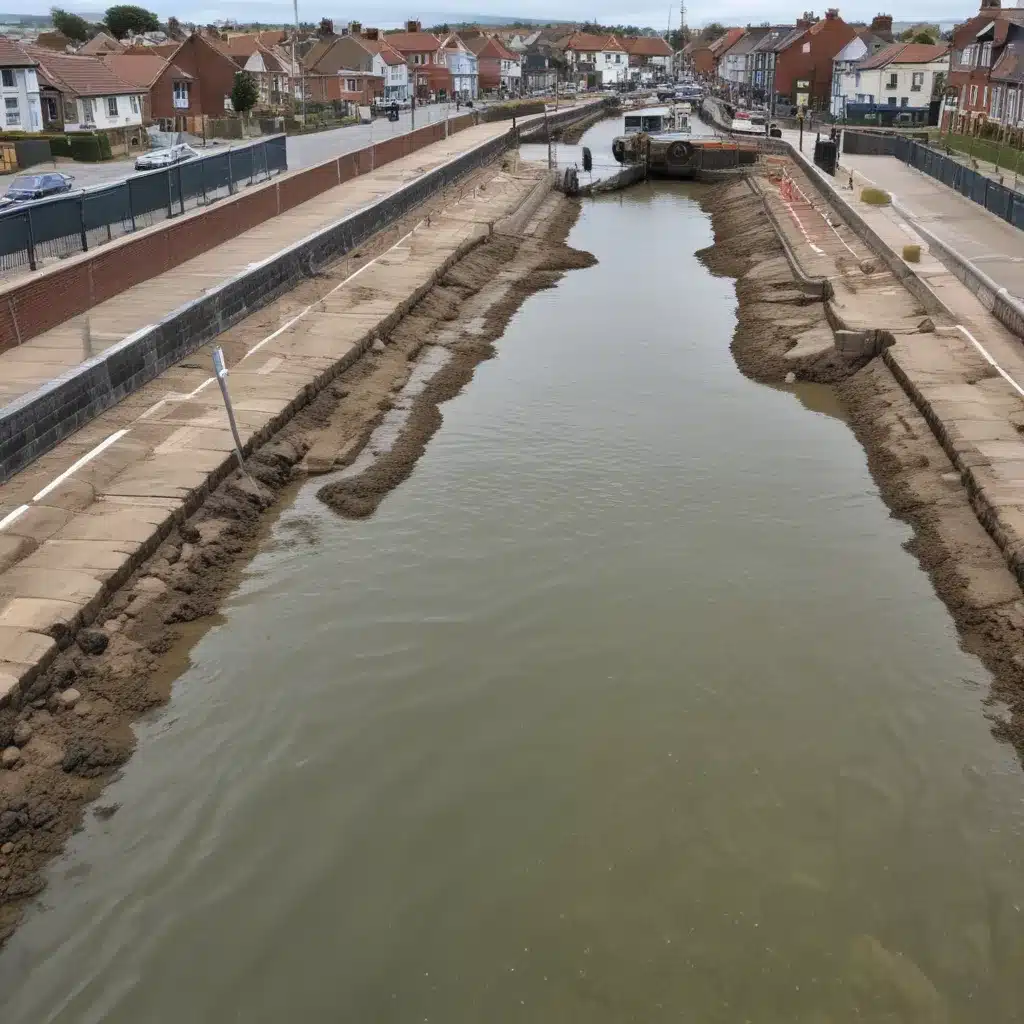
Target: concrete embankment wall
(985, 488)
(39, 420)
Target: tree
(326, 28)
(923, 37)
(72, 25)
(712, 32)
(127, 19)
(174, 28)
(244, 93)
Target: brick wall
(50, 298)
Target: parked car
(158, 158)
(666, 92)
(27, 187)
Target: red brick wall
(51, 298)
(815, 66)
(213, 73)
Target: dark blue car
(28, 187)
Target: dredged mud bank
(782, 330)
(71, 730)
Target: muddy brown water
(628, 705)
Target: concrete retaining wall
(36, 422)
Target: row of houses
(464, 65)
(825, 64)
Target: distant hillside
(33, 20)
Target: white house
(19, 89)
(388, 64)
(81, 94)
(603, 56)
(899, 75)
(464, 66)
(844, 66)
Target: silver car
(165, 157)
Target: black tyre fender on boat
(679, 152)
(619, 150)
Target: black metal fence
(998, 199)
(67, 224)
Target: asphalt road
(303, 150)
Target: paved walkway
(40, 359)
(993, 245)
(74, 522)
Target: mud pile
(478, 296)
(913, 473)
(776, 319)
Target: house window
(984, 100)
(134, 100)
(893, 80)
(857, 75)
(986, 55)
(12, 111)
(892, 101)
(112, 106)
(806, 48)
(997, 101)
(618, 58)
(917, 81)
(7, 76)
(974, 95)
(904, 102)
(351, 85)
(87, 113)
(49, 108)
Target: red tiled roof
(141, 69)
(904, 53)
(646, 46)
(586, 42)
(724, 42)
(101, 43)
(13, 56)
(75, 75)
(388, 53)
(413, 42)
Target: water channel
(627, 706)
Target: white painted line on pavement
(118, 434)
(75, 467)
(12, 516)
(799, 224)
(988, 358)
(341, 284)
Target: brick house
(362, 88)
(803, 60)
(268, 65)
(977, 49)
(499, 69)
(649, 56)
(171, 94)
(213, 71)
(423, 52)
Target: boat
(659, 120)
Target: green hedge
(506, 111)
(85, 147)
(60, 145)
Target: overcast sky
(700, 12)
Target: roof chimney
(988, 5)
(832, 14)
(412, 26)
(354, 28)
(371, 33)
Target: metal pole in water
(221, 372)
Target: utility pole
(302, 74)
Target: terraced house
(19, 89)
(978, 48)
(597, 60)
